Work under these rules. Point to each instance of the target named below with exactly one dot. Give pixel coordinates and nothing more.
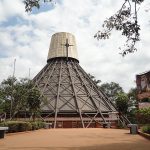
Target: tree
(111, 89)
(133, 101)
(1, 103)
(122, 103)
(125, 20)
(94, 79)
(7, 94)
(14, 94)
(20, 94)
(33, 101)
(29, 4)
(143, 115)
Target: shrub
(17, 126)
(146, 129)
(41, 124)
(20, 126)
(34, 125)
(24, 126)
(143, 115)
(120, 125)
(3, 124)
(37, 125)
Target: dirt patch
(75, 139)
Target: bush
(120, 125)
(146, 129)
(17, 126)
(143, 115)
(37, 125)
(41, 124)
(20, 126)
(34, 125)
(24, 126)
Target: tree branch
(126, 21)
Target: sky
(26, 38)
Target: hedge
(37, 125)
(20, 126)
(143, 115)
(146, 129)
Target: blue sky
(26, 38)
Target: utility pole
(29, 72)
(14, 67)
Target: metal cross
(67, 46)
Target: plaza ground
(75, 139)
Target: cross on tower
(67, 45)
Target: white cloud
(9, 8)
(28, 38)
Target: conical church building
(71, 98)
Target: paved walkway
(75, 139)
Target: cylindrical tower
(62, 44)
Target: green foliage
(13, 95)
(146, 129)
(132, 94)
(146, 100)
(122, 103)
(111, 89)
(143, 115)
(1, 104)
(7, 93)
(41, 124)
(29, 4)
(124, 20)
(33, 101)
(120, 125)
(132, 116)
(16, 96)
(17, 126)
(34, 125)
(133, 101)
(20, 126)
(37, 125)
(94, 79)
